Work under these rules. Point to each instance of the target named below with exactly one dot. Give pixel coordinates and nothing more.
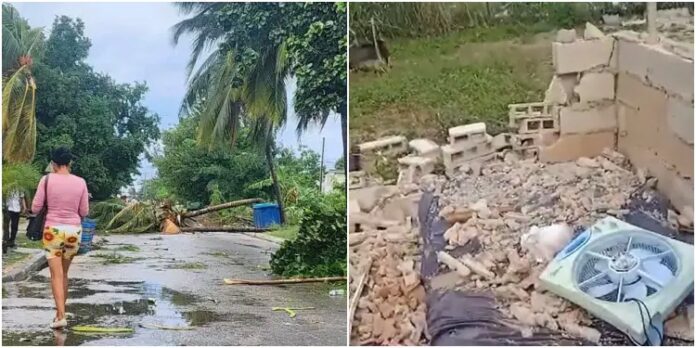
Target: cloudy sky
(132, 42)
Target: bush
(320, 247)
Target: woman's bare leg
(55, 265)
(66, 266)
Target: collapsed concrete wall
(619, 92)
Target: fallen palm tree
(150, 216)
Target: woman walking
(67, 201)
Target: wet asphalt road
(175, 282)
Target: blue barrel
(266, 215)
(89, 226)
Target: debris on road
(282, 281)
(97, 329)
(290, 310)
(165, 327)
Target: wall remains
(619, 92)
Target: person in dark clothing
(14, 206)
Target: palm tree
(227, 97)
(19, 41)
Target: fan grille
(586, 266)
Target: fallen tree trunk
(230, 229)
(282, 281)
(223, 206)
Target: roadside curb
(265, 237)
(22, 270)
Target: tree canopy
(103, 122)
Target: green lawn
(23, 242)
(437, 83)
(287, 232)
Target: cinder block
(581, 55)
(659, 66)
(680, 119)
(413, 168)
(454, 156)
(573, 146)
(595, 87)
(470, 133)
(582, 119)
(537, 124)
(675, 153)
(672, 72)
(390, 145)
(679, 190)
(633, 58)
(631, 91)
(424, 164)
(425, 148)
(518, 112)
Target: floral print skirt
(61, 241)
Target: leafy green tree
(19, 43)
(104, 123)
(190, 172)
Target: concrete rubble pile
(388, 299)
(617, 118)
(491, 213)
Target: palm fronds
(137, 217)
(105, 211)
(20, 177)
(19, 41)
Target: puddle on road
(157, 306)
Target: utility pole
(321, 173)
(651, 14)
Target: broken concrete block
(357, 179)
(581, 55)
(414, 167)
(560, 89)
(611, 20)
(595, 87)
(425, 148)
(390, 145)
(580, 119)
(502, 141)
(537, 124)
(573, 146)
(680, 119)
(592, 32)
(565, 35)
(470, 133)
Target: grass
(188, 265)
(23, 242)
(115, 258)
(13, 257)
(286, 232)
(128, 247)
(458, 78)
